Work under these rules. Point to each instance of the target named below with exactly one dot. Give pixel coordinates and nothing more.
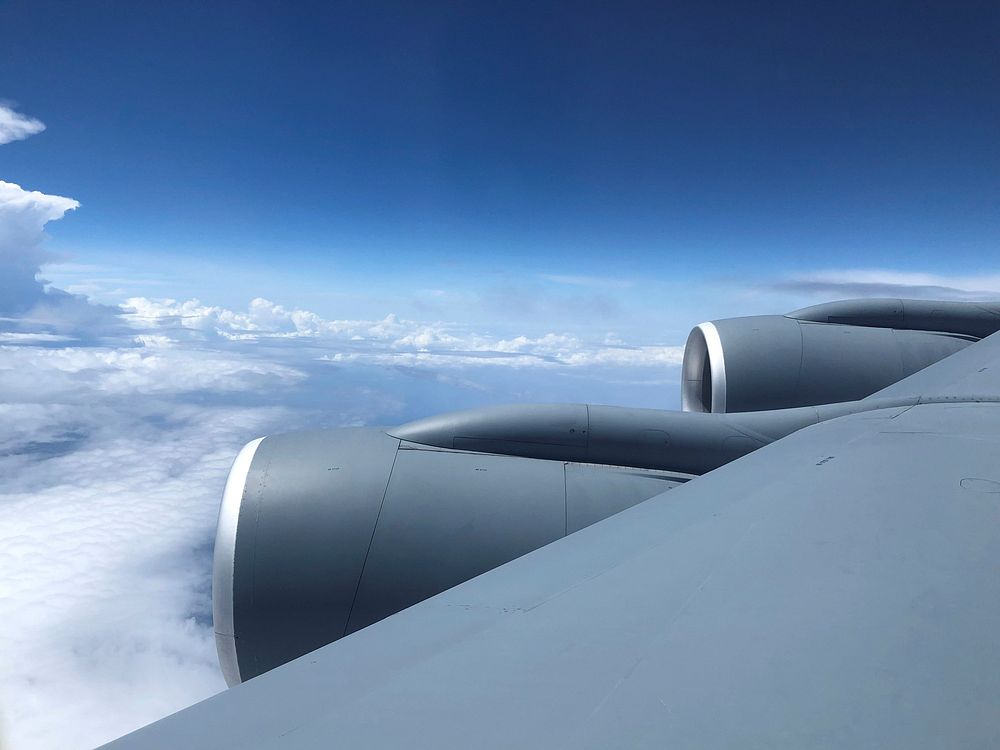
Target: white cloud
(70, 373)
(16, 127)
(23, 216)
(262, 318)
(392, 340)
(26, 305)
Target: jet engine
(822, 355)
(322, 533)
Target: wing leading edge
(837, 588)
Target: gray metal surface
(552, 431)
(594, 492)
(448, 517)
(687, 442)
(834, 589)
(971, 374)
(306, 521)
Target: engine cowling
(779, 362)
(322, 533)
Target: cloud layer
(112, 459)
(107, 516)
(388, 341)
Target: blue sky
(331, 145)
(225, 220)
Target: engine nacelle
(778, 362)
(322, 533)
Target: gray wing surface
(837, 588)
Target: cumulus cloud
(16, 127)
(890, 283)
(26, 303)
(23, 216)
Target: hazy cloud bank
(841, 284)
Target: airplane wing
(837, 588)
